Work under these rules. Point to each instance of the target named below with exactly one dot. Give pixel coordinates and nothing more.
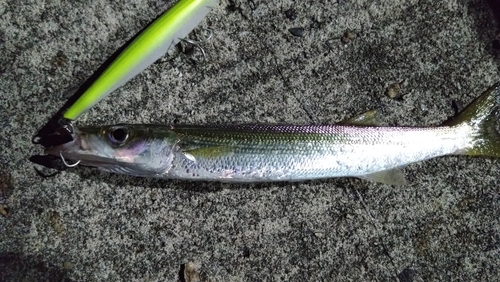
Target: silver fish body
(288, 153)
(256, 153)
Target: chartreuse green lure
(150, 45)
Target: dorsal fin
(367, 119)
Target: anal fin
(391, 177)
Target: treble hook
(197, 44)
(65, 163)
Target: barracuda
(256, 153)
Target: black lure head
(54, 133)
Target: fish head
(129, 149)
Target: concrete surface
(84, 225)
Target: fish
(359, 147)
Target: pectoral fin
(207, 152)
(390, 177)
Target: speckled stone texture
(85, 225)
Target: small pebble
(407, 275)
(297, 31)
(60, 59)
(424, 108)
(4, 211)
(252, 5)
(393, 91)
(348, 37)
(68, 265)
(319, 234)
(315, 24)
(291, 14)
(246, 252)
(55, 220)
(190, 273)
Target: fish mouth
(85, 149)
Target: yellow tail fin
(483, 116)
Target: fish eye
(118, 135)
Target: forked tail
(483, 116)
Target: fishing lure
(256, 153)
(149, 46)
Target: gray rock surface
(85, 225)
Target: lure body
(255, 153)
(166, 31)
